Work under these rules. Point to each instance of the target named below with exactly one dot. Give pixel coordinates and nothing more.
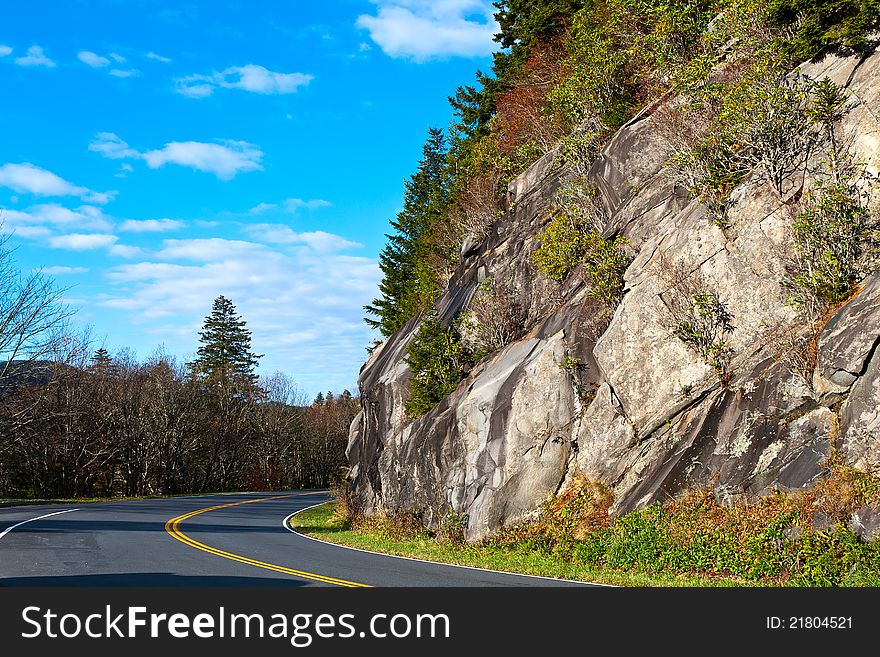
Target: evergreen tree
(102, 363)
(319, 400)
(407, 284)
(225, 359)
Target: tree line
(80, 422)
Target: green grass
(321, 522)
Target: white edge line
(24, 522)
(286, 524)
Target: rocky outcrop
(655, 420)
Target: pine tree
(103, 364)
(407, 285)
(225, 360)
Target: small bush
(397, 526)
(833, 235)
(697, 317)
(796, 347)
(493, 320)
(345, 511)
(574, 238)
(438, 360)
(563, 244)
(576, 370)
(452, 528)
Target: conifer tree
(102, 363)
(407, 284)
(225, 359)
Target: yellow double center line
(173, 528)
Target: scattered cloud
(92, 59)
(206, 249)
(124, 169)
(430, 29)
(225, 158)
(253, 78)
(293, 204)
(290, 205)
(126, 251)
(302, 307)
(158, 58)
(5, 50)
(82, 241)
(262, 208)
(318, 240)
(52, 215)
(63, 271)
(124, 73)
(35, 57)
(28, 232)
(31, 179)
(111, 146)
(98, 61)
(151, 225)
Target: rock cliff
(656, 420)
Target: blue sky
(156, 154)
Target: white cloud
(124, 73)
(92, 59)
(253, 78)
(124, 169)
(193, 87)
(304, 308)
(207, 249)
(30, 232)
(158, 58)
(150, 225)
(82, 241)
(225, 158)
(262, 208)
(35, 57)
(294, 204)
(98, 61)
(31, 179)
(40, 222)
(111, 146)
(5, 50)
(64, 271)
(290, 205)
(126, 251)
(318, 240)
(426, 29)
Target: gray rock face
(655, 420)
(865, 523)
(848, 341)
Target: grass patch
(800, 538)
(380, 535)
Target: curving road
(237, 539)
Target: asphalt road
(213, 540)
